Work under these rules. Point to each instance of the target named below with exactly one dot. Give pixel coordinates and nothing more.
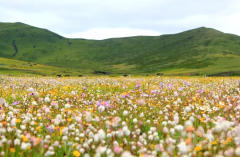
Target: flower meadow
(120, 116)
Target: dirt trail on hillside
(15, 48)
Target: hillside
(16, 68)
(202, 50)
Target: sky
(102, 19)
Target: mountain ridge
(194, 51)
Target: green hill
(16, 67)
(202, 50)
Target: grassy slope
(201, 50)
(15, 67)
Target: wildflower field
(121, 116)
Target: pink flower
(176, 94)
(141, 102)
(159, 148)
(2, 101)
(40, 100)
(117, 150)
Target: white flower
(2, 153)
(82, 150)
(86, 155)
(179, 128)
(109, 151)
(101, 134)
(125, 128)
(13, 97)
(9, 129)
(56, 143)
(191, 119)
(67, 106)
(13, 122)
(76, 139)
(48, 137)
(30, 90)
(36, 94)
(126, 154)
(64, 138)
(101, 150)
(135, 120)
(24, 145)
(88, 116)
(2, 116)
(125, 113)
(4, 140)
(59, 117)
(47, 99)
(210, 137)
(150, 137)
(26, 120)
(34, 103)
(141, 115)
(165, 130)
(115, 143)
(153, 129)
(23, 127)
(49, 153)
(164, 123)
(183, 148)
(237, 151)
(2, 130)
(6, 105)
(172, 131)
(10, 114)
(82, 135)
(229, 152)
(16, 141)
(101, 109)
(65, 131)
(127, 132)
(96, 138)
(188, 123)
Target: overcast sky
(101, 19)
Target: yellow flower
(152, 146)
(39, 118)
(25, 139)
(76, 153)
(213, 142)
(38, 128)
(18, 120)
(198, 148)
(60, 132)
(12, 150)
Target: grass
(222, 64)
(15, 67)
(203, 50)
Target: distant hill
(198, 51)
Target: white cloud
(106, 33)
(116, 18)
(231, 23)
